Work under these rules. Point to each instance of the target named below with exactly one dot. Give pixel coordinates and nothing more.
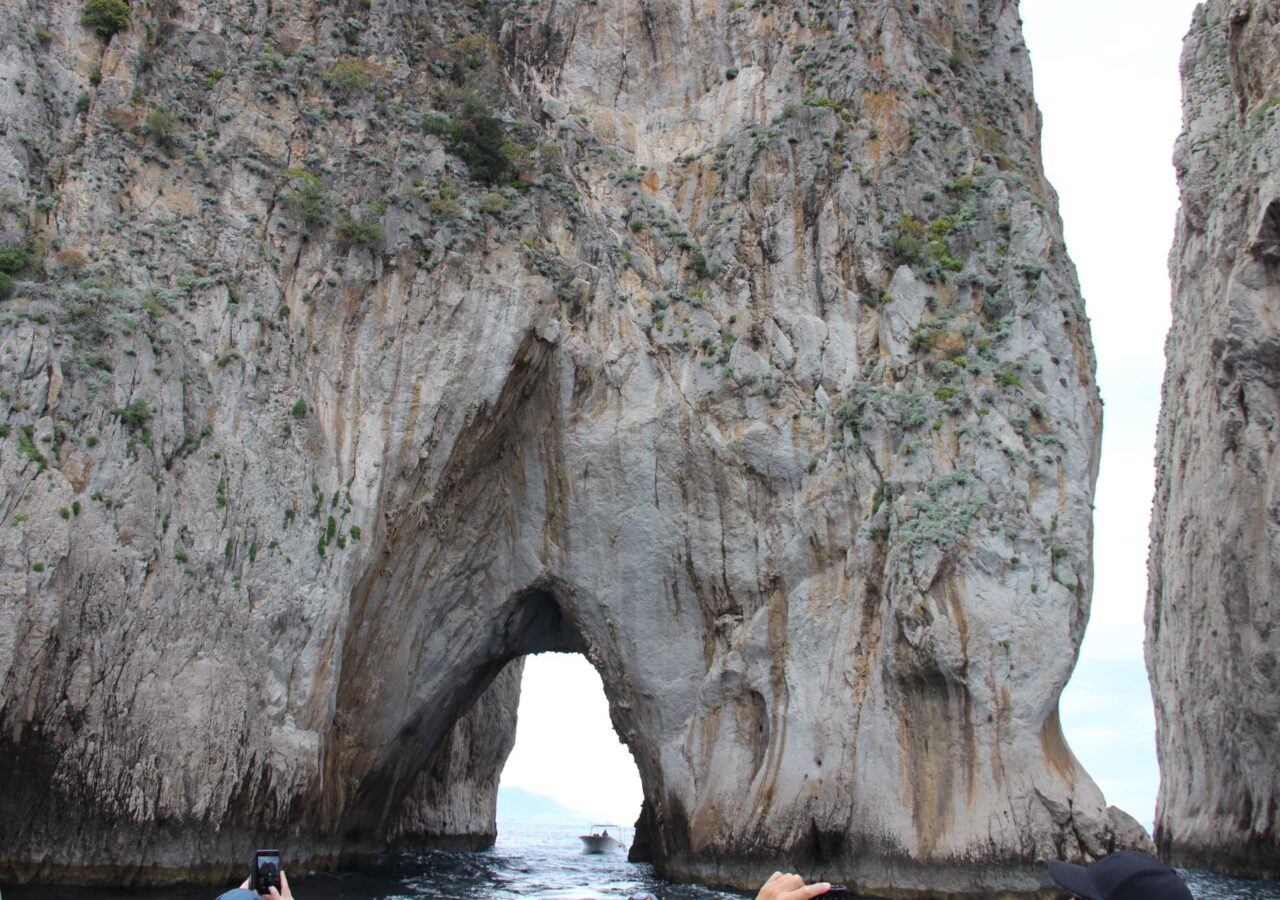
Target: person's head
(1127, 875)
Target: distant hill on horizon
(528, 808)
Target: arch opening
(567, 751)
(435, 738)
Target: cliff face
(1215, 553)
(363, 348)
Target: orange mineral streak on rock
(78, 467)
(1053, 746)
(892, 128)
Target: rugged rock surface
(363, 348)
(1212, 616)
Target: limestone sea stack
(1213, 615)
(356, 350)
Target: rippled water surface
(535, 861)
(1207, 886)
(531, 861)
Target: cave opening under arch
(430, 771)
(566, 749)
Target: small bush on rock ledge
(135, 416)
(13, 259)
(348, 76)
(477, 138)
(309, 201)
(353, 232)
(161, 126)
(105, 17)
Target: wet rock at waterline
(1215, 559)
(359, 350)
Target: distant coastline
(518, 806)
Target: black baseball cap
(1127, 875)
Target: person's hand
(272, 892)
(790, 887)
(284, 893)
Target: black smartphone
(265, 872)
(838, 890)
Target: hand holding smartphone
(264, 873)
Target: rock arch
(748, 750)
(389, 730)
(794, 683)
(770, 392)
(435, 631)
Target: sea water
(529, 861)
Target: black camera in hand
(265, 871)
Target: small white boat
(599, 839)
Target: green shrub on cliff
(348, 76)
(6, 286)
(161, 126)
(27, 447)
(135, 416)
(13, 259)
(105, 17)
(360, 232)
(907, 245)
(698, 264)
(477, 137)
(309, 201)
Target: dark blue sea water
(529, 861)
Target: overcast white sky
(1107, 83)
